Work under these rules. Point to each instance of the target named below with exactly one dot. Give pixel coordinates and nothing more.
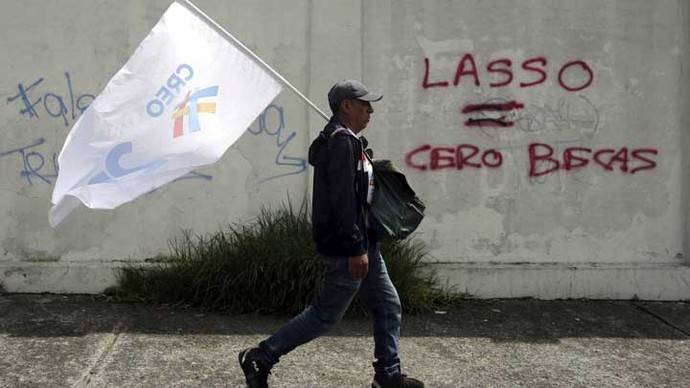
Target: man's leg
(383, 302)
(384, 306)
(335, 294)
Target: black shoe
(397, 381)
(254, 367)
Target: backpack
(395, 211)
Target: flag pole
(228, 35)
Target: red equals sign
(490, 115)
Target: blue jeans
(337, 290)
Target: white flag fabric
(185, 96)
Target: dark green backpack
(395, 209)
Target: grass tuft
(269, 265)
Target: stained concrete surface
(85, 341)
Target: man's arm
(343, 199)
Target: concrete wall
(684, 12)
(575, 190)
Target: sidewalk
(79, 341)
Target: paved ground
(80, 341)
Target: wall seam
(684, 14)
(361, 40)
(307, 86)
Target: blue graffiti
(298, 165)
(194, 175)
(34, 162)
(52, 103)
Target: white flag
(185, 96)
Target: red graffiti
(426, 83)
(510, 105)
(489, 122)
(585, 67)
(573, 76)
(542, 160)
(458, 157)
(461, 71)
(480, 114)
(529, 66)
(507, 71)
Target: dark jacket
(339, 206)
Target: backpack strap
(338, 130)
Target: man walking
(343, 189)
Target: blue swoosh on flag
(113, 169)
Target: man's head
(351, 102)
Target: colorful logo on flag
(191, 107)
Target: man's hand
(359, 265)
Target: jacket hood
(321, 141)
(318, 144)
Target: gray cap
(348, 89)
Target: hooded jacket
(339, 206)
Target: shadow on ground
(514, 320)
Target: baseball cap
(348, 89)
